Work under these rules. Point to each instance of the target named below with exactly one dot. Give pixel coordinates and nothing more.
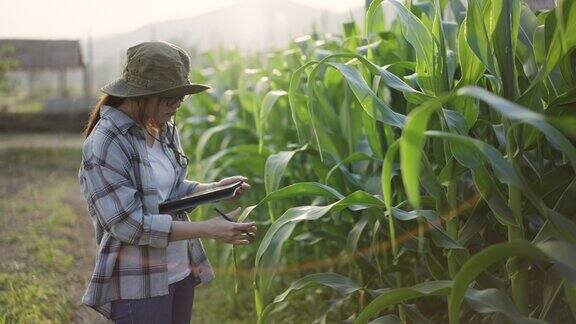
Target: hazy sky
(76, 18)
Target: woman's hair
(137, 112)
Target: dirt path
(46, 236)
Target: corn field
(420, 170)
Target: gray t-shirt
(164, 176)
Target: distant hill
(250, 25)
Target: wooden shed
(39, 55)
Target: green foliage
(421, 172)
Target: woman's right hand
(230, 232)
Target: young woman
(147, 263)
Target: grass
(38, 225)
(33, 278)
(25, 298)
(39, 161)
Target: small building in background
(44, 76)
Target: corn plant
(423, 172)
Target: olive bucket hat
(155, 68)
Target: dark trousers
(174, 308)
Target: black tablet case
(190, 202)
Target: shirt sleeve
(118, 204)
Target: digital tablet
(202, 197)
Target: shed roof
(41, 54)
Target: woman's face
(164, 108)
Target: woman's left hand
(226, 181)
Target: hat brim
(122, 89)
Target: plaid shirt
(116, 181)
